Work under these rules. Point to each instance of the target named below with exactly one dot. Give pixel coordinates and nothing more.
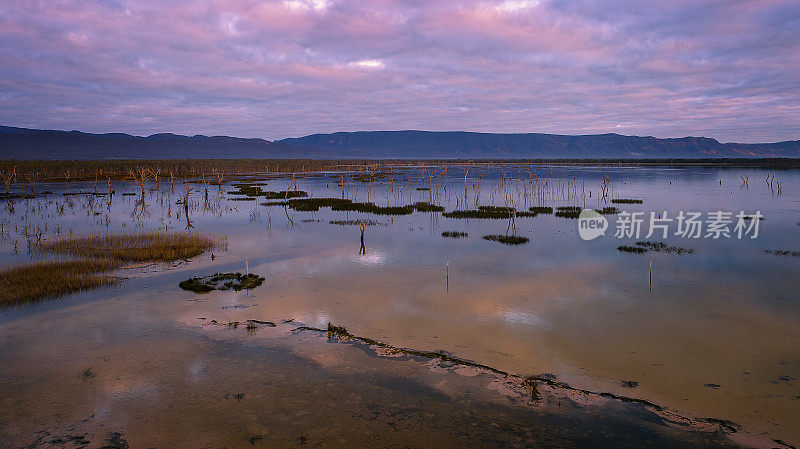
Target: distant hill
(465, 145)
(25, 144)
(22, 143)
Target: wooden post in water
(651, 276)
(447, 277)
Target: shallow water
(714, 334)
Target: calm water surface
(714, 334)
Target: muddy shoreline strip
(727, 427)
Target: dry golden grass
(95, 254)
(141, 247)
(52, 279)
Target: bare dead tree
(220, 177)
(205, 183)
(32, 177)
(8, 176)
(187, 191)
(139, 176)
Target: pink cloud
(274, 69)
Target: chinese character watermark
(686, 224)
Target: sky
(725, 69)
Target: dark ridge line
(725, 425)
(341, 331)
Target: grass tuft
(427, 207)
(632, 249)
(95, 255)
(541, 209)
(507, 239)
(568, 212)
(141, 247)
(783, 252)
(659, 247)
(487, 213)
(51, 279)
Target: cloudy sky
(726, 69)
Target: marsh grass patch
(783, 252)
(608, 210)
(483, 212)
(372, 208)
(427, 207)
(356, 223)
(344, 204)
(140, 247)
(255, 191)
(507, 239)
(631, 249)
(541, 209)
(568, 211)
(52, 279)
(92, 257)
(642, 247)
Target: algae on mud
(222, 281)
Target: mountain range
(27, 144)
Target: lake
(557, 340)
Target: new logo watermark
(691, 225)
(591, 224)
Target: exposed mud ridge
(727, 427)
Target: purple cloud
(725, 69)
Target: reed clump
(140, 247)
(632, 249)
(501, 209)
(626, 201)
(568, 211)
(661, 247)
(427, 207)
(482, 214)
(90, 258)
(608, 210)
(783, 252)
(343, 204)
(51, 279)
(284, 194)
(642, 247)
(541, 209)
(254, 191)
(356, 223)
(455, 234)
(372, 208)
(313, 204)
(507, 239)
